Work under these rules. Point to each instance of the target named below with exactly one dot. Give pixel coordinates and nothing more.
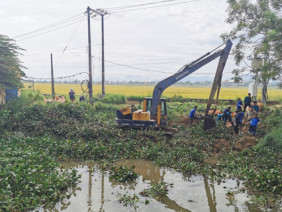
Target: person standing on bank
(237, 122)
(253, 125)
(247, 102)
(72, 95)
(192, 114)
(239, 104)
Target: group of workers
(251, 116)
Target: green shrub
(135, 98)
(31, 97)
(274, 119)
(114, 99)
(102, 107)
(178, 98)
(272, 140)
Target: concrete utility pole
(102, 13)
(52, 77)
(89, 54)
(256, 65)
(103, 58)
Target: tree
(10, 65)
(258, 30)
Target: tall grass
(28, 97)
(273, 139)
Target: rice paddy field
(142, 91)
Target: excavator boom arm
(187, 70)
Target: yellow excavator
(132, 117)
(153, 111)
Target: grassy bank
(261, 165)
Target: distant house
(11, 93)
(8, 94)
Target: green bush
(102, 107)
(274, 119)
(273, 139)
(135, 98)
(178, 98)
(31, 97)
(114, 99)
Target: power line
(139, 5)
(51, 25)
(64, 77)
(159, 63)
(68, 43)
(52, 30)
(118, 11)
(48, 52)
(141, 69)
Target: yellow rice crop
(185, 92)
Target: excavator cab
(146, 104)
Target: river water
(96, 192)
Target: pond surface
(96, 192)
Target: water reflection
(211, 197)
(154, 174)
(147, 169)
(90, 189)
(96, 192)
(102, 191)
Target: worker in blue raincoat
(192, 114)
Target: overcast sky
(159, 38)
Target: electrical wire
(74, 32)
(51, 25)
(51, 30)
(144, 64)
(64, 77)
(154, 7)
(45, 52)
(141, 69)
(138, 5)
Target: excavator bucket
(209, 122)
